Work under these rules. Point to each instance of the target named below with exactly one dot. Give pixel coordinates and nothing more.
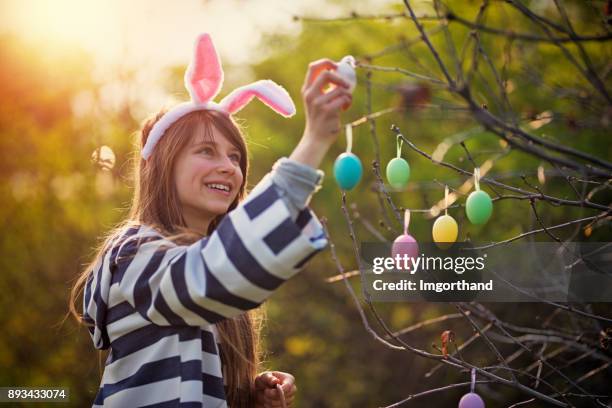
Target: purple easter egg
(405, 245)
(471, 400)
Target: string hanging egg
(405, 244)
(347, 167)
(471, 399)
(445, 228)
(398, 169)
(478, 206)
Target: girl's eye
(207, 150)
(235, 157)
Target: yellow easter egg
(445, 231)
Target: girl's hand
(267, 396)
(322, 111)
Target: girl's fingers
(284, 378)
(327, 77)
(315, 68)
(260, 383)
(272, 394)
(265, 380)
(341, 102)
(331, 95)
(289, 390)
(347, 104)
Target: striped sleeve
(256, 248)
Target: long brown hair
(156, 204)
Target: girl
(172, 290)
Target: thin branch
(401, 71)
(536, 231)
(450, 16)
(425, 37)
(588, 73)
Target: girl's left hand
(266, 393)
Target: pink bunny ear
(204, 76)
(269, 92)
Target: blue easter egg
(347, 170)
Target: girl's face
(208, 177)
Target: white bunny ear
(204, 76)
(269, 92)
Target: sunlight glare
(63, 23)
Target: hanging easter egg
(398, 169)
(445, 228)
(471, 400)
(405, 244)
(346, 69)
(445, 231)
(478, 206)
(347, 170)
(347, 167)
(398, 173)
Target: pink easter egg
(405, 245)
(471, 400)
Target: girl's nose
(226, 165)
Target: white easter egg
(346, 69)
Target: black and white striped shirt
(155, 303)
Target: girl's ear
(269, 92)
(204, 76)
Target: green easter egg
(398, 173)
(479, 207)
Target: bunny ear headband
(203, 80)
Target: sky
(151, 35)
(120, 30)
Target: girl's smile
(220, 187)
(215, 189)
